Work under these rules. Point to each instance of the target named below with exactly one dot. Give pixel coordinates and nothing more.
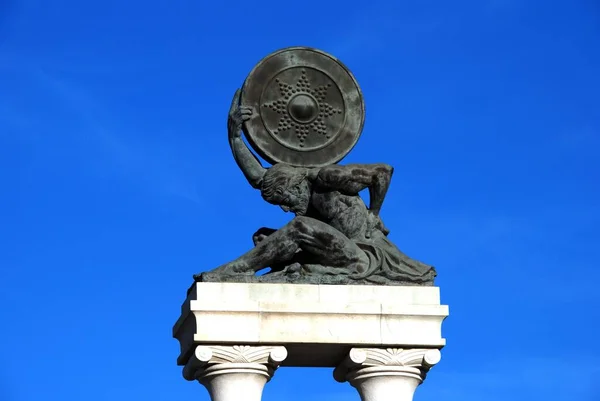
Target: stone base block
(317, 324)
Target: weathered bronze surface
(308, 109)
(302, 110)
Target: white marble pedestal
(381, 339)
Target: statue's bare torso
(347, 214)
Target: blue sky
(118, 183)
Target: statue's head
(287, 187)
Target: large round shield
(308, 109)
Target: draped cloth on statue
(386, 264)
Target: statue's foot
(207, 277)
(294, 268)
(199, 277)
(232, 269)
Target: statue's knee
(301, 223)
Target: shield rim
(271, 158)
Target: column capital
(234, 372)
(380, 373)
(270, 357)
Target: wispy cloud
(157, 167)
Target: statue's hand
(382, 227)
(261, 234)
(237, 115)
(374, 222)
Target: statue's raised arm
(245, 159)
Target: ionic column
(386, 374)
(234, 373)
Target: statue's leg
(324, 243)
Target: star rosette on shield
(303, 108)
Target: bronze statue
(334, 237)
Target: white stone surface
(318, 324)
(235, 384)
(233, 373)
(386, 374)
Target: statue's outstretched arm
(245, 159)
(353, 178)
